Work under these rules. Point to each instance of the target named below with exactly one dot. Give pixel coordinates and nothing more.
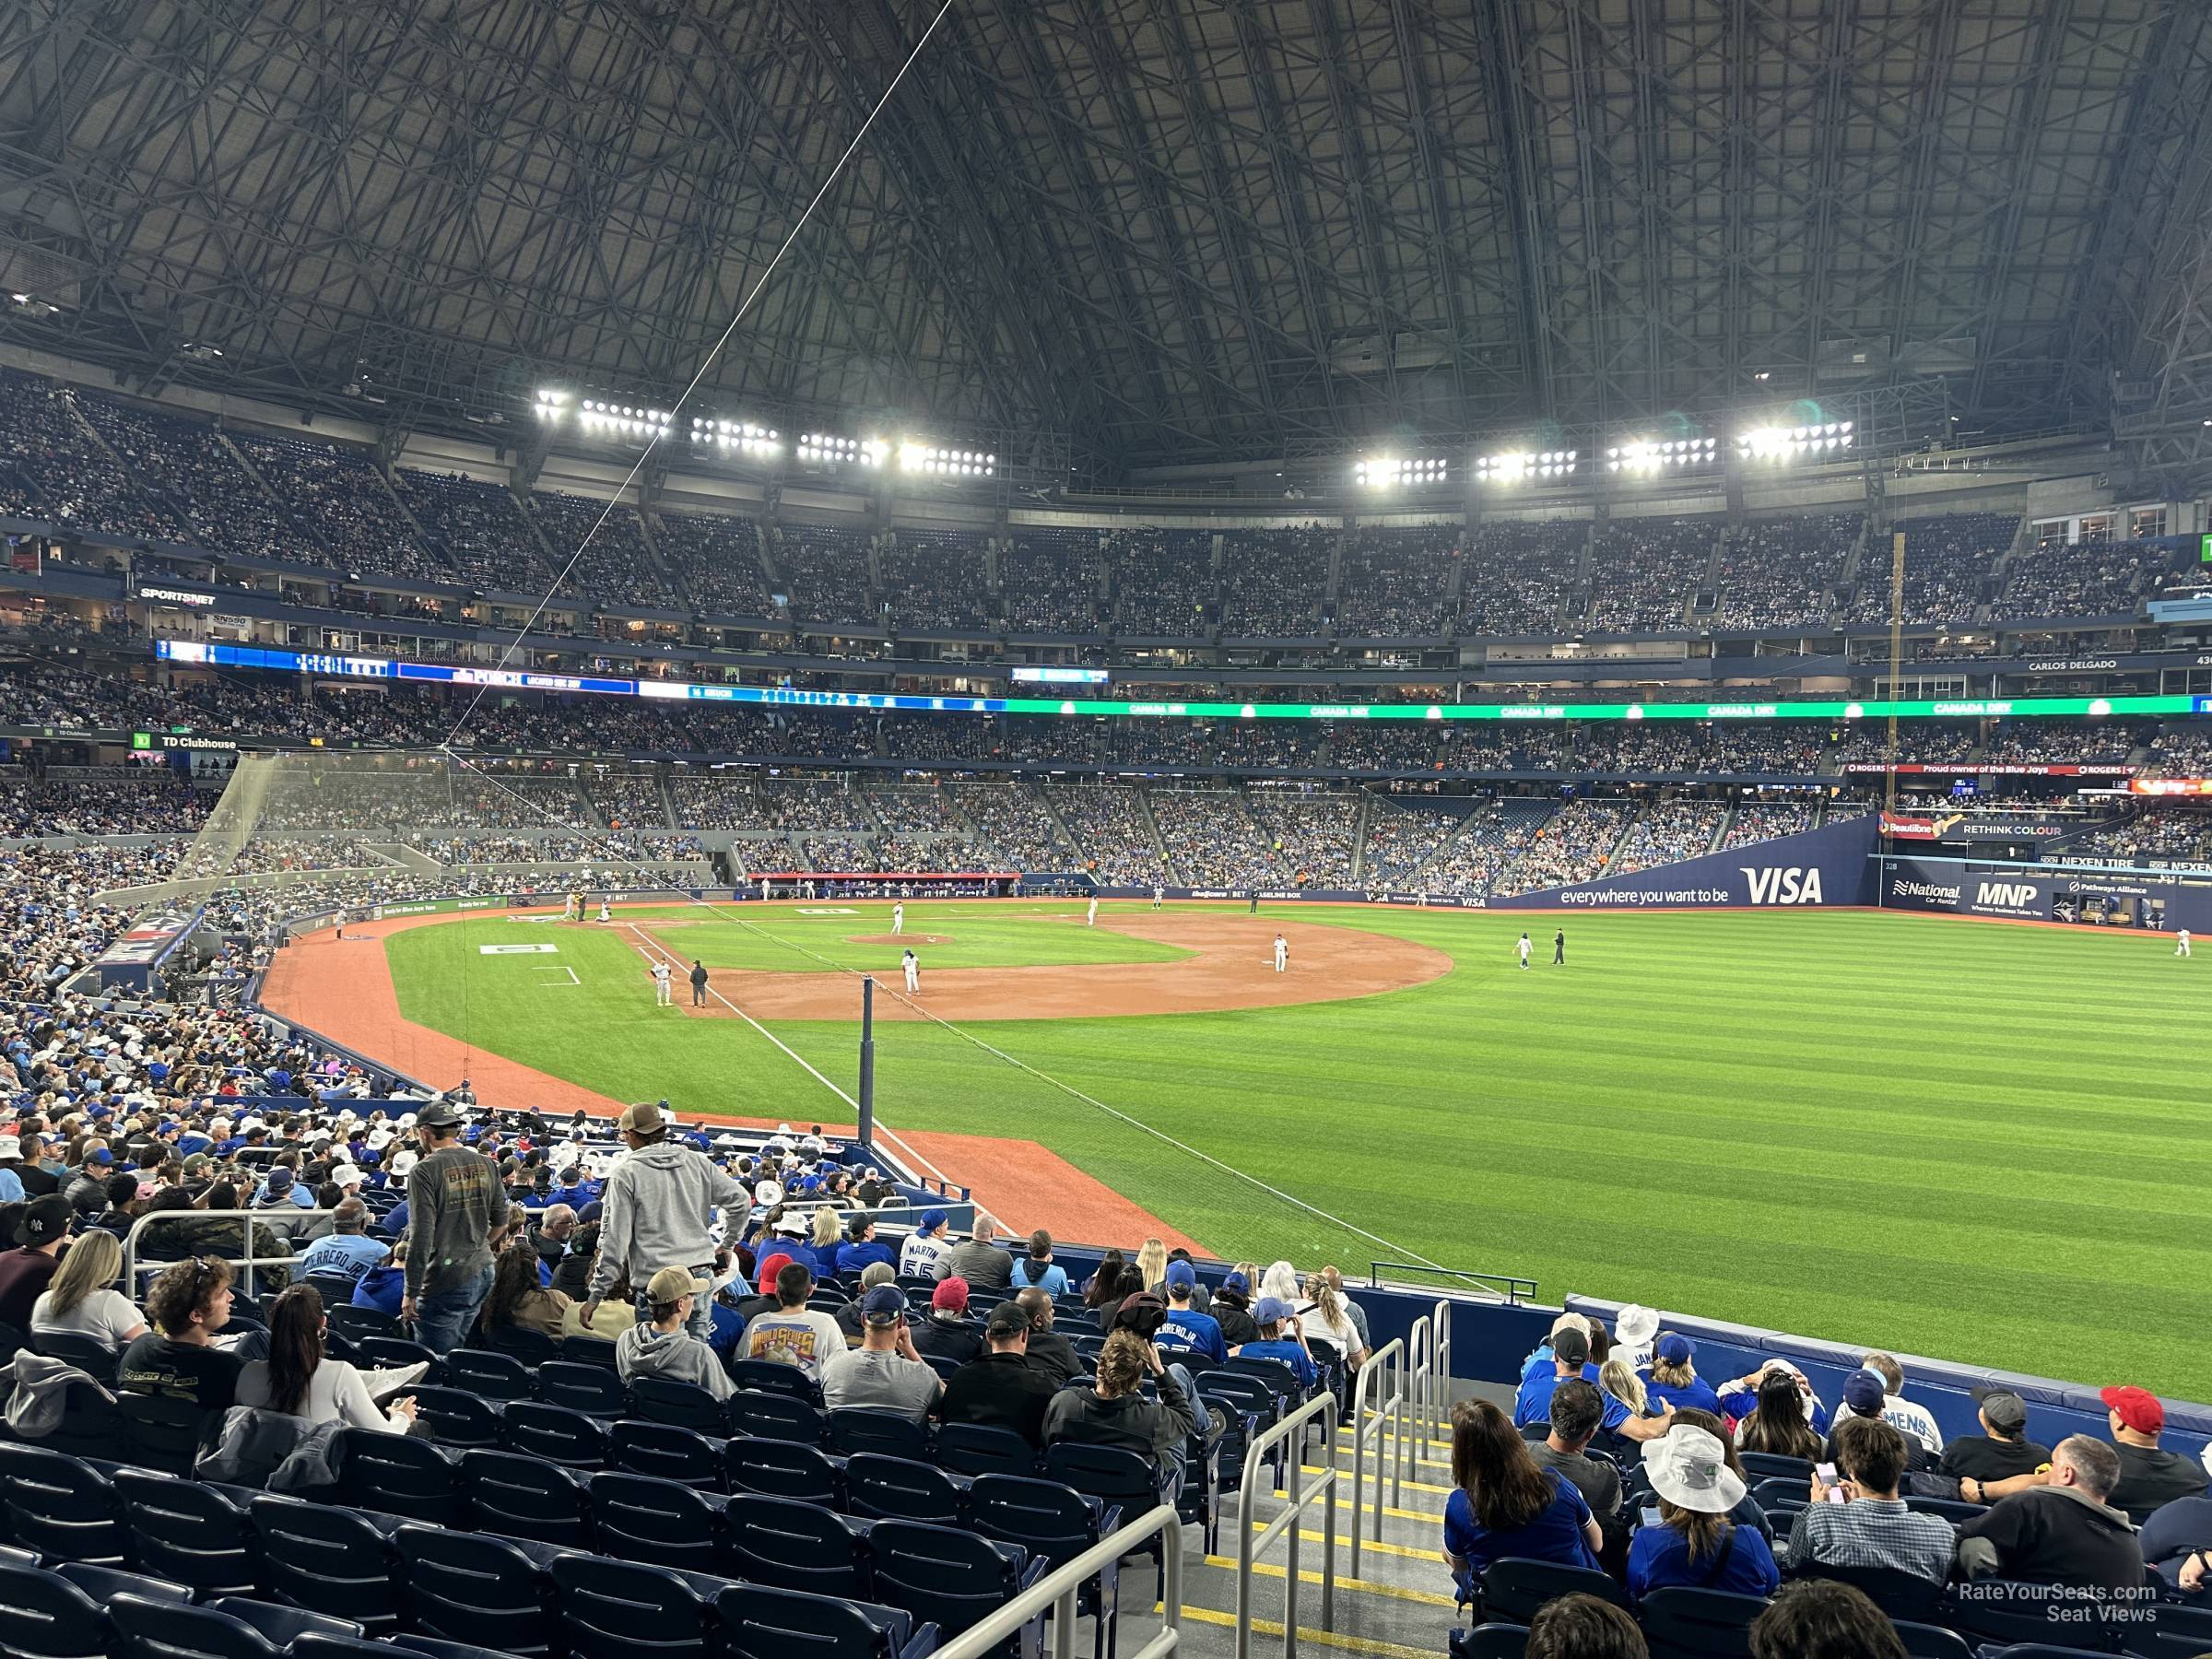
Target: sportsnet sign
(1817, 867)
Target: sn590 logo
(1783, 884)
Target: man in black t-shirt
(2150, 1475)
(2002, 1450)
(176, 1359)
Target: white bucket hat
(1635, 1325)
(1688, 1468)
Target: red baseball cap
(950, 1294)
(769, 1267)
(2137, 1409)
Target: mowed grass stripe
(1956, 1138)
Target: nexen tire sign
(1822, 866)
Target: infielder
(1091, 919)
(605, 914)
(1282, 955)
(660, 987)
(898, 920)
(571, 908)
(1158, 893)
(2181, 943)
(1523, 948)
(913, 973)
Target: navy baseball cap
(1273, 1310)
(1235, 1281)
(933, 1219)
(1863, 1392)
(101, 1157)
(1673, 1349)
(1181, 1275)
(885, 1305)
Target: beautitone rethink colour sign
(1818, 868)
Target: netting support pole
(867, 1062)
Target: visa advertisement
(1823, 867)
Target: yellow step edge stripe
(1411, 1485)
(1328, 1639)
(1364, 1586)
(1346, 1429)
(1430, 1517)
(1407, 1551)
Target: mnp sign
(1825, 866)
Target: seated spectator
(886, 1372)
(1777, 1422)
(346, 1249)
(849, 1316)
(926, 1246)
(664, 1345)
(1672, 1378)
(1325, 1320)
(1872, 1527)
(1000, 1389)
(384, 1286)
(1821, 1619)
(299, 1380)
(2000, 1451)
(123, 1207)
(82, 1300)
(860, 1250)
(517, 1299)
(1584, 1626)
(946, 1333)
(187, 1306)
(1863, 1395)
(793, 1333)
(1186, 1333)
(1107, 1309)
(1038, 1267)
(555, 1225)
(1748, 1512)
(1106, 1281)
(1907, 1416)
(1231, 1310)
(2150, 1476)
(1503, 1504)
(1114, 1412)
(1279, 1340)
(1049, 1351)
(572, 1273)
(1570, 1355)
(2060, 1531)
(979, 1261)
(1352, 1309)
(1695, 1542)
(1576, 1410)
(27, 1272)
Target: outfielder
(1523, 948)
(898, 920)
(913, 973)
(1158, 893)
(660, 987)
(2181, 943)
(1092, 920)
(1282, 955)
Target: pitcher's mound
(909, 939)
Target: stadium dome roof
(1154, 229)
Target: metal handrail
(1420, 1351)
(1369, 1424)
(1250, 1541)
(1512, 1288)
(245, 1219)
(1440, 1375)
(1057, 1590)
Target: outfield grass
(1966, 1139)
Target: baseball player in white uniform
(913, 973)
(898, 920)
(1282, 955)
(1092, 920)
(660, 987)
(2181, 943)
(1522, 947)
(1158, 893)
(605, 914)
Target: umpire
(655, 1214)
(698, 983)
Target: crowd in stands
(477, 528)
(824, 572)
(1666, 832)
(1947, 566)
(1395, 584)
(56, 471)
(1764, 821)
(1272, 582)
(1020, 831)
(1108, 824)
(1643, 572)
(1051, 579)
(1162, 580)
(933, 578)
(2080, 579)
(718, 559)
(1315, 836)
(2166, 832)
(98, 801)
(2181, 752)
(1574, 845)
(1782, 573)
(1213, 839)
(1516, 575)
(603, 548)
(1403, 835)
(191, 470)
(340, 495)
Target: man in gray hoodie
(662, 1346)
(655, 1211)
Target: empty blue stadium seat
(1515, 1586)
(884, 1431)
(189, 1532)
(802, 1545)
(953, 1579)
(759, 1622)
(465, 1586)
(783, 1469)
(984, 1449)
(1491, 1640)
(594, 1389)
(628, 1610)
(1059, 1523)
(638, 1518)
(159, 1432)
(876, 1485)
(494, 1376)
(556, 1434)
(358, 1325)
(665, 1452)
(532, 1348)
(1686, 1622)
(457, 1416)
(524, 1497)
(774, 1416)
(61, 1507)
(43, 1616)
(1931, 1642)
(328, 1560)
(400, 1475)
(683, 1404)
(772, 1376)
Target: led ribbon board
(203, 654)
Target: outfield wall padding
(2029, 893)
